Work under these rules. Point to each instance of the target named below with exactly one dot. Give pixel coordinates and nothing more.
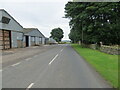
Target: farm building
(32, 36)
(50, 41)
(11, 35)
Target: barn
(13, 35)
(32, 37)
(50, 41)
(11, 32)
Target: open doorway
(27, 41)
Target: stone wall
(114, 50)
(93, 46)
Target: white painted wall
(29, 40)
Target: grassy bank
(105, 64)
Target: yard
(105, 64)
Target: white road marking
(30, 86)
(16, 64)
(1, 70)
(28, 59)
(61, 50)
(53, 59)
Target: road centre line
(53, 59)
(30, 86)
(16, 64)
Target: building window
(5, 20)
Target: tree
(57, 34)
(98, 21)
(74, 35)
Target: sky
(42, 14)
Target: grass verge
(105, 64)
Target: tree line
(94, 22)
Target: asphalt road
(60, 67)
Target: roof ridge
(2, 9)
(30, 28)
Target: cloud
(43, 15)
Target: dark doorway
(27, 41)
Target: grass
(105, 64)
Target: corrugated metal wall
(17, 39)
(14, 39)
(43, 40)
(36, 37)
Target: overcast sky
(42, 14)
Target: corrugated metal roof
(26, 30)
(11, 16)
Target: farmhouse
(32, 36)
(11, 32)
